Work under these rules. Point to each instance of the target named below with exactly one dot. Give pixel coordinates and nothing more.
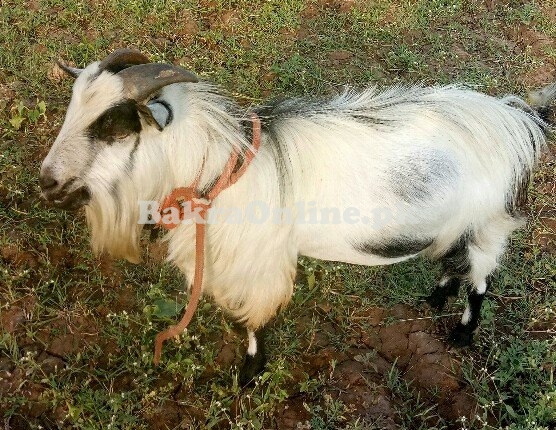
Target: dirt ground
(402, 339)
(412, 345)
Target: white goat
(403, 172)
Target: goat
(415, 171)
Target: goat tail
(543, 101)
(536, 118)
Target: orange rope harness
(190, 194)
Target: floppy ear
(157, 113)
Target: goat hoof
(437, 300)
(461, 336)
(252, 366)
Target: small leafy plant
(21, 113)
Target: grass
(77, 331)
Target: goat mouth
(70, 201)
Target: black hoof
(461, 336)
(437, 300)
(252, 366)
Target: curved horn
(121, 59)
(143, 80)
(72, 71)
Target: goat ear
(71, 71)
(157, 113)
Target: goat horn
(143, 80)
(72, 71)
(120, 59)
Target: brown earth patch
(157, 252)
(528, 38)
(16, 314)
(7, 95)
(339, 56)
(539, 76)
(544, 232)
(186, 26)
(549, 11)
(68, 336)
(60, 256)
(545, 236)
(399, 339)
(55, 73)
(16, 258)
(109, 269)
(380, 340)
(16, 383)
(125, 299)
(538, 44)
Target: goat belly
(360, 246)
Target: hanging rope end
(158, 349)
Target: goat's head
(113, 101)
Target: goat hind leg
(255, 359)
(484, 249)
(447, 287)
(455, 267)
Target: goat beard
(113, 226)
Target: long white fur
(486, 145)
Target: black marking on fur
(282, 107)
(517, 196)
(269, 114)
(131, 160)
(547, 114)
(396, 247)
(375, 113)
(456, 261)
(269, 111)
(254, 364)
(439, 296)
(116, 122)
(416, 178)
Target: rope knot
(182, 204)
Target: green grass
(81, 354)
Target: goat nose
(47, 181)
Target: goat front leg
(255, 359)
